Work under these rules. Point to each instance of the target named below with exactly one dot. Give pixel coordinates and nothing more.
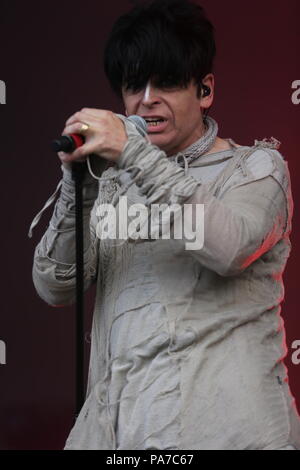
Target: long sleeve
(54, 269)
(246, 223)
(248, 220)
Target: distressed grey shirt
(187, 345)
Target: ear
(126, 112)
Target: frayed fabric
(187, 346)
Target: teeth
(155, 123)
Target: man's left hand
(106, 135)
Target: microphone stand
(68, 143)
(78, 171)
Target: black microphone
(68, 143)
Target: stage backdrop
(51, 66)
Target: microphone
(68, 143)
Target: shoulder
(256, 162)
(262, 159)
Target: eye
(168, 84)
(131, 90)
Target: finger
(62, 155)
(77, 128)
(77, 117)
(83, 151)
(70, 157)
(87, 113)
(90, 121)
(96, 113)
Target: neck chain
(201, 145)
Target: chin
(159, 140)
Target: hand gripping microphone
(68, 143)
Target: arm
(53, 271)
(246, 222)
(238, 229)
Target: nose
(150, 96)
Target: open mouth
(155, 124)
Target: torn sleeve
(54, 263)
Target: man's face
(179, 107)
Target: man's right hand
(68, 165)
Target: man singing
(187, 344)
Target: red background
(51, 61)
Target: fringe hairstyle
(170, 42)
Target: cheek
(128, 103)
(182, 110)
(132, 103)
(181, 118)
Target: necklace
(201, 145)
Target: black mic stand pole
(78, 171)
(67, 144)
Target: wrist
(119, 151)
(68, 177)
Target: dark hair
(171, 41)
